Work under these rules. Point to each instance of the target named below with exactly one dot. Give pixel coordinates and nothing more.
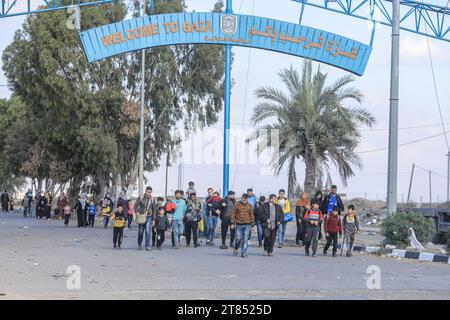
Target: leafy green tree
(85, 117)
(315, 123)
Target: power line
(434, 81)
(406, 143)
(435, 173)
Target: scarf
(302, 202)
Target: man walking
(283, 201)
(177, 219)
(228, 204)
(242, 219)
(332, 200)
(145, 209)
(271, 217)
(313, 220)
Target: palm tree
(315, 124)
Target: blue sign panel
(233, 29)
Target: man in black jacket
(271, 217)
(332, 200)
(225, 216)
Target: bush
(396, 228)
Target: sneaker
(120, 247)
(176, 247)
(244, 255)
(139, 247)
(208, 243)
(249, 243)
(307, 253)
(196, 245)
(188, 245)
(314, 254)
(148, 249)
(159, 248)
(212, 244)
(348, 254)
(270, 254)
(115, 247)
(260, 246)
(223, 247)
(231, 244)
(325, 253)
(265, 253)
(280, 246)
(235, 252)
(182, 237)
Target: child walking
(351, 228)
(332, 226)
(313, 220)
(159, 204)
(67, 211)
(119, 222)
(161, 224)
(92, 213)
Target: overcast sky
(254, 68)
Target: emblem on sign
(228, 24)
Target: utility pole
(429, 181)
(448, 176)
(393, 110)
(410, 183)
(180, 170)
(167, 173)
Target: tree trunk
(310, 176)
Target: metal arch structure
(11, 8)
(415, 16)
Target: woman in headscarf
(106, 206)
(319, 198)
(41, 206)
(60, 204)
(48, 208)
(81, 208)
(301, 206)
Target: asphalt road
(35, 255)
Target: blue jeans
(147, 229)
(177, 231)
(212, 223)
(281, 232)
(259, 230)
(242, 232)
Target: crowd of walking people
(185, 216)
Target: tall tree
(86, 116)
(315, 123)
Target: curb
(421, 256)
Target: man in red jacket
(332, 226)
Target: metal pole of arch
(226, 126)
(393, 111)
(142, 114)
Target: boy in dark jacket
(215, 209)
(161, 224)
(332, 226)
(259, 212)
(271, 216)
(313, 219)
(228, 203)
(159, 204)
